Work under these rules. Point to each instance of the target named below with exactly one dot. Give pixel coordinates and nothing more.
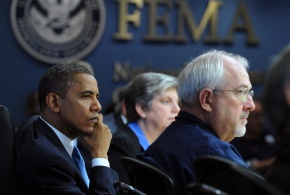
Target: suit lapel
(52, 137)
(41, 126)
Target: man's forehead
(236, 74)
(85, 81)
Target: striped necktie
(78, 159)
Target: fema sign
(56, 31)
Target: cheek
(235, 111)
(164, 113)
(229, 118)
(78, 111)
(157, 115)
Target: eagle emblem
(58, 30)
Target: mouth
(244, 115)
(244, 121)
(94, 119)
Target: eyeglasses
(242, 94)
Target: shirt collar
(66, 142)
(183, 115)
(139, 133)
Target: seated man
(47, 159)
(215, 98)
(117, 119)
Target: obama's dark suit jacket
(44, 166)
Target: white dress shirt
(69, 145)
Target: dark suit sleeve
(102, 179)
(55, 176)
(43, 166)
(124, 143)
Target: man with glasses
(215, 96)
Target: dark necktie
(78, 159)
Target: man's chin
(240, 132)
(86, 131)
(89, 131)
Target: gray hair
(205, 71)
(142, 90)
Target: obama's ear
(52, 101)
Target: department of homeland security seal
(56, 31)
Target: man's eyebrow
(245, 86)
(87, 91)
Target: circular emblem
(56, 31)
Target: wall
(20, 72)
